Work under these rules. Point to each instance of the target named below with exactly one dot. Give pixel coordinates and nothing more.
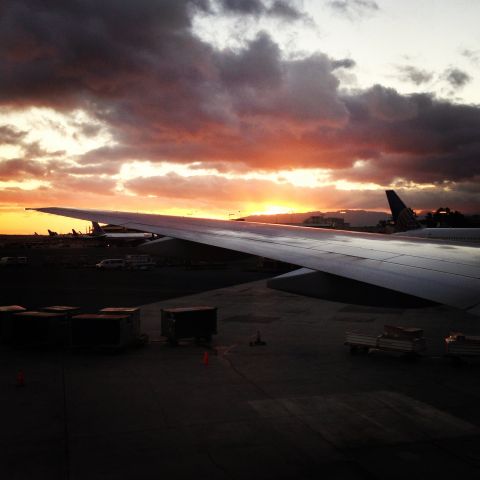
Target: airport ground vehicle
(111, 264)
(6, 261)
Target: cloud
(9, 135)
(21, 169)
(282, 9)
(472, 55)
(343, 63)
(165, 95)
(286, 11)
(457, 78)
(354, 8)
(409, 73)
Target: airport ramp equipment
(6, 312)
(67, 310)
(199, 323)
(133, 313)
(394, 339)
(101, 330)
(458, 344)
(361, 341)
(35, 329)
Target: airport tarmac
(299, 407)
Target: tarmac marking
(367, 418)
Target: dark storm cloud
(53, 52)
(416, 137)
(166, 95)
(409, 73)
(457, 78)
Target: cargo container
(189, 322)
(133, 314)
(68, 312)
(33, 328)
(100, 330)
(6, 312)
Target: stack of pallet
(459, 345)
(393, 339)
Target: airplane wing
(442, 272)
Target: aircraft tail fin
(403, 216)
(97, 230)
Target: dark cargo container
(132, 312)
(100, 330)
(6, 312)
(31, 328)
(197, 322)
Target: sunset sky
(215, 108)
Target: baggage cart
(459, 345)
(361, 341)
(403, 340)
(402, 345)
(36, 329)
(199, 323)
(100, 330)
(67, 310)
(134, 318)
(6, 313)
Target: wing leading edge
(441, 272)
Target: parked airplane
(423, 268)
(407, 225)
(98, 231)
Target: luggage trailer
(408, 341)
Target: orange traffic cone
(20, 379)
(205, 358)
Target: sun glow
(273, 210)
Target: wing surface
(442, 272)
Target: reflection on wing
(441, 272)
